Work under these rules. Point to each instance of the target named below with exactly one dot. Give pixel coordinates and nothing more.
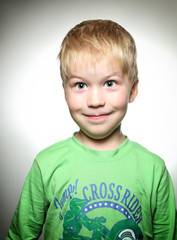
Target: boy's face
(98, 95)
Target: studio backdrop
(34, 114)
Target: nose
(96, 98)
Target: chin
(98, 136)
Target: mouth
(97, 117)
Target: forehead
(94, 64)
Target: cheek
(74, 103)
(119, 101)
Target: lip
(97, 117)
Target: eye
(110, 83)
(80, 85)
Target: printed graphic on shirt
(101, 214)
(76, 218)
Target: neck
(110, 142)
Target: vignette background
(34, 114)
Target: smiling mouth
(97, 117)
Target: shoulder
(150, 167)
(54, 152)
(146, 157)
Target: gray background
(33, 111)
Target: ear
(134, 92)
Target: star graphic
(107, 204)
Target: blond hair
(99, 36)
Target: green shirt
(80, 193)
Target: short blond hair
(99, 36)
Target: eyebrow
(114, 74)
(74, 76)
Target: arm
(29, 217)
(164, 214)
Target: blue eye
(80, 85)
(110, 83)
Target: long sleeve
(29, 217)
(164, 215)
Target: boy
(97, 184)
